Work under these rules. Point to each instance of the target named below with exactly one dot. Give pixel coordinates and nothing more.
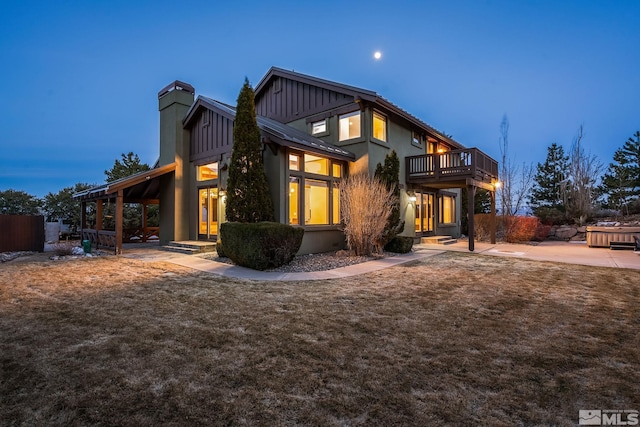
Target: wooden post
(470, 216)
(99, 214)
(83, 216)
(144, 221)
(493, 217)
(119, 221)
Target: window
(207, 172)
(335, 211)
(294, 200)
(315, 164)
(319, 127)
(416, 139)
(432, 145)
(316, 202)
(294, 162)
(349, 126)
(447, 210)
(379, 126)
(314, 196)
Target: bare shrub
(366, 205)
(520, 228)
(64, 248)
(482, 227)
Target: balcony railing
(454, 165)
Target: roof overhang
(138, 187)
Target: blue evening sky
(79, 79)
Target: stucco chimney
(174, 102)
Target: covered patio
(142, 188)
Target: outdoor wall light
(412, 199)
(497, 184)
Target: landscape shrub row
(512, 229)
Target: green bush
(399, 245)
(260, 245)
(220, 249)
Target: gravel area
(311, 262)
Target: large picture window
(349, 126)
(314, 197)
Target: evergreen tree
(550, 179)
(389, 175)
(15, 202)
(248, 196)
(130, 165)
(621, 182)
(62, 205)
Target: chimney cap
(176, 85)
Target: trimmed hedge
(260, 245)
(220, 249)
(399, 245)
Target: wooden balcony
(452, 169)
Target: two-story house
(315, 132)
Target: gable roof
(358, 94)
(277, 132)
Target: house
(315, 132)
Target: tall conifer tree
(621, 182)
(389, 175)
(551, 177)
(248, 196)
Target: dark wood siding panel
(296, 99)
(211, 135)
(22, 233)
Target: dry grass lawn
(455, 339)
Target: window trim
(325, 132)
(386, 126)
(302, 175)
(421, 139)
(453, 198)
(347, 115)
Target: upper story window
(379, 126)
(319, 127)
(349, 126)
(207, 172)
(432, 146)
(417, 139)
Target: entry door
(208, 213)
(424, 213)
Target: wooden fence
(21, 233)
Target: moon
(377, 54)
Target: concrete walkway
(571, 253)
(567, 252)
(220, 268)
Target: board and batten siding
(211, 135)
(286, 100)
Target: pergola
(142, 188)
